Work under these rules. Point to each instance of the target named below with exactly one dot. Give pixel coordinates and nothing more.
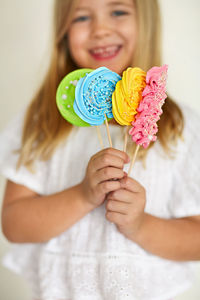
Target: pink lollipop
(145, 127)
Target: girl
(79, 233)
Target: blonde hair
(147, 55)
(44, 128)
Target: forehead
(86, 3)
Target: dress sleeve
(10, 140)
(185, 200)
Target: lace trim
(83, 276)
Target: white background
(25, 27)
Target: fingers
(113, 151)
(109, 173)
(117, 206)
(120, 201)
(131, 185)
(108, 160)
(109, 157)
(115, 217)
(130, 195)
(108, 186)
(121, 195)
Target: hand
(125, 207)
(102, 176)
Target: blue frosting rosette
(93, 96)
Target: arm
(175, 239)
(29, 217)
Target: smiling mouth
(102, 53)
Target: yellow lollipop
(127, 95)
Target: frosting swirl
(127, 95)
(149, 110)
(93, 96)
(65, 95)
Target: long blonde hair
(44, 128)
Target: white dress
(92, 260)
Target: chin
(117, 70)
(113, 68)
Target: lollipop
(127, 95)
(65, 99)
(93, 97)
(144, 128)
(65, 96)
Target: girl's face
(103, 33)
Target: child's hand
(125, 207)
(104, 168)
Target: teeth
(98, 51)
(105, 51)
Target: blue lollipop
(93, 96)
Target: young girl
(77, 232)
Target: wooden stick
(133, 159)
(125, 138)
(108, 131)
(99, 137)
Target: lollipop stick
(125, 138)
(133, 159)
(108, 131)
(99, 136)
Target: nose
(101, 27)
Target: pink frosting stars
(144, 128)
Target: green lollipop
(65, 97)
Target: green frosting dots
(65, 97)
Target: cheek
(77, 38)
(130, 33)
(78, 41)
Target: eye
(81, 19)
(118, 13)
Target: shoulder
(191, 115)
(10, 135)
(188, 148)
(191, 124)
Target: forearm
(40, 218)
(175, 239)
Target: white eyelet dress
(92, 260)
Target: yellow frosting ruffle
(127, 95)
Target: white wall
(24, 54)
